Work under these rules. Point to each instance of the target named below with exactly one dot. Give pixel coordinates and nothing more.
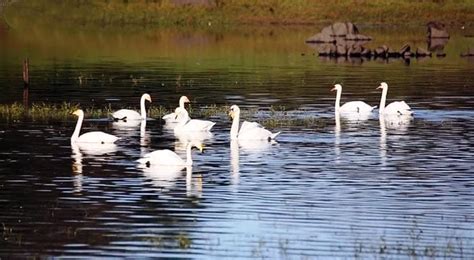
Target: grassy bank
(215, 13)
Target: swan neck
(234, 130)
(142, 108)
(181, 103)
(337, 104)
(75, 135)
(189, 159)
(382, 100)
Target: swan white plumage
(95, 137)
(358, 107)
(132, 115)
(394, 108)
(248, 130)
(171, 118)
(169, 158)
(190, 125)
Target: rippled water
(346, 189)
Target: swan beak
(231, 114)
(334, 88)
(379, 87)
(75, 113)
(201, 148)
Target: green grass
(44, 112)
(237, 12)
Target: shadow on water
(371, 187)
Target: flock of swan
(181, 123)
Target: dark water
(338, 189)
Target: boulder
(324, 50)
(437, 44)
(343, 29)
(358, 37)
(341, 50)
(420, 52)
(321, 38)
(437, 30)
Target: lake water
(347, 189)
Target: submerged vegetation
(210, 13)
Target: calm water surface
(369, 188)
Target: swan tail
(274, 136)
(143, 160)
(210, 126)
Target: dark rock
(392, 53)
(469, 52)
(437, 30)
(366, 52)
(380, 51)
(440, 54)
(405, 48)
(355, 51)
(420, 52)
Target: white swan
(190, 125)
(394, 108)
(132, 115)
(95, 137)
(171, 118)
(248, 130)
(356, 107)
(169, 158)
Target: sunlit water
(391, 188)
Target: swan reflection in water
(77, 155)
(165, 178)
(337, 137)
(399, 123)
(249, 148)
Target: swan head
(337, 87)
(234, 109)
(78, 112)
(184, 99)
(147, 97)
(383, 85)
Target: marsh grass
(276, 116)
